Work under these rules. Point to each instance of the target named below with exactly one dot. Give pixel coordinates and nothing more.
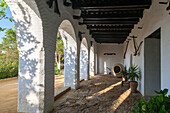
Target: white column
(83, 61)
(70, 59)
(92, 61)
(36, 54)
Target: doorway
(152, 64)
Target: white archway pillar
(36, 45)
(84, 60)
(92, 63)
(70, 59)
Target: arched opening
(84, 60)
(91, 61)
(67, 35)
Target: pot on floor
(133, 86)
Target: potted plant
(132, 75)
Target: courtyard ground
(101, 94)
(9, 93)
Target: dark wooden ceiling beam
(109, 36)
(108, 18)
(111, 30)
(110, 40)
(117, 38)
(115, 42)
(110, 22)
(122, 7)
(81, 23)
(112, 15)
(110, 26)
(109, 33)
(114, 30)
(117, 9)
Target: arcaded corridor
(100, 94)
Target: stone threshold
(81, 80)
(61, 92)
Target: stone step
(61, 92)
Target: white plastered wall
(155, 17)
(108, 60)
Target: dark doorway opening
(152, 63)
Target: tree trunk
(56, 58)
(58, 63)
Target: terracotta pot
(133, 86)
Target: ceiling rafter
(110, 21)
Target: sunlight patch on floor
(104, 90)
(120, 100)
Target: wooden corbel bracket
(54, 3)
(168, 2)
(80, 35)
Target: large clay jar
(133, 86)
(117, 69)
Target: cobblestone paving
(101, 94)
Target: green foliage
(62, 66)
(159, 104)
(56, 70)
(9, 55)
(3, 7)
(133, 73)
(124, 72)
(59, 54)
(59, 44)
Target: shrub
(57, 71)
(9, 55)
(62, 66)
(158, 104)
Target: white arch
(70, 53)
(36, 26)
(91, 60)
(84, 60)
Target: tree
(9, 55)
(3, 7)
(8, 49)
(59, 50)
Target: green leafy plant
(59, 54)
(9, 55)
(57, 71)
(62, 66)
(133, 73)
(124, 72)
(3, 15)
(158, 104)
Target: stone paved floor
(101, 94)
